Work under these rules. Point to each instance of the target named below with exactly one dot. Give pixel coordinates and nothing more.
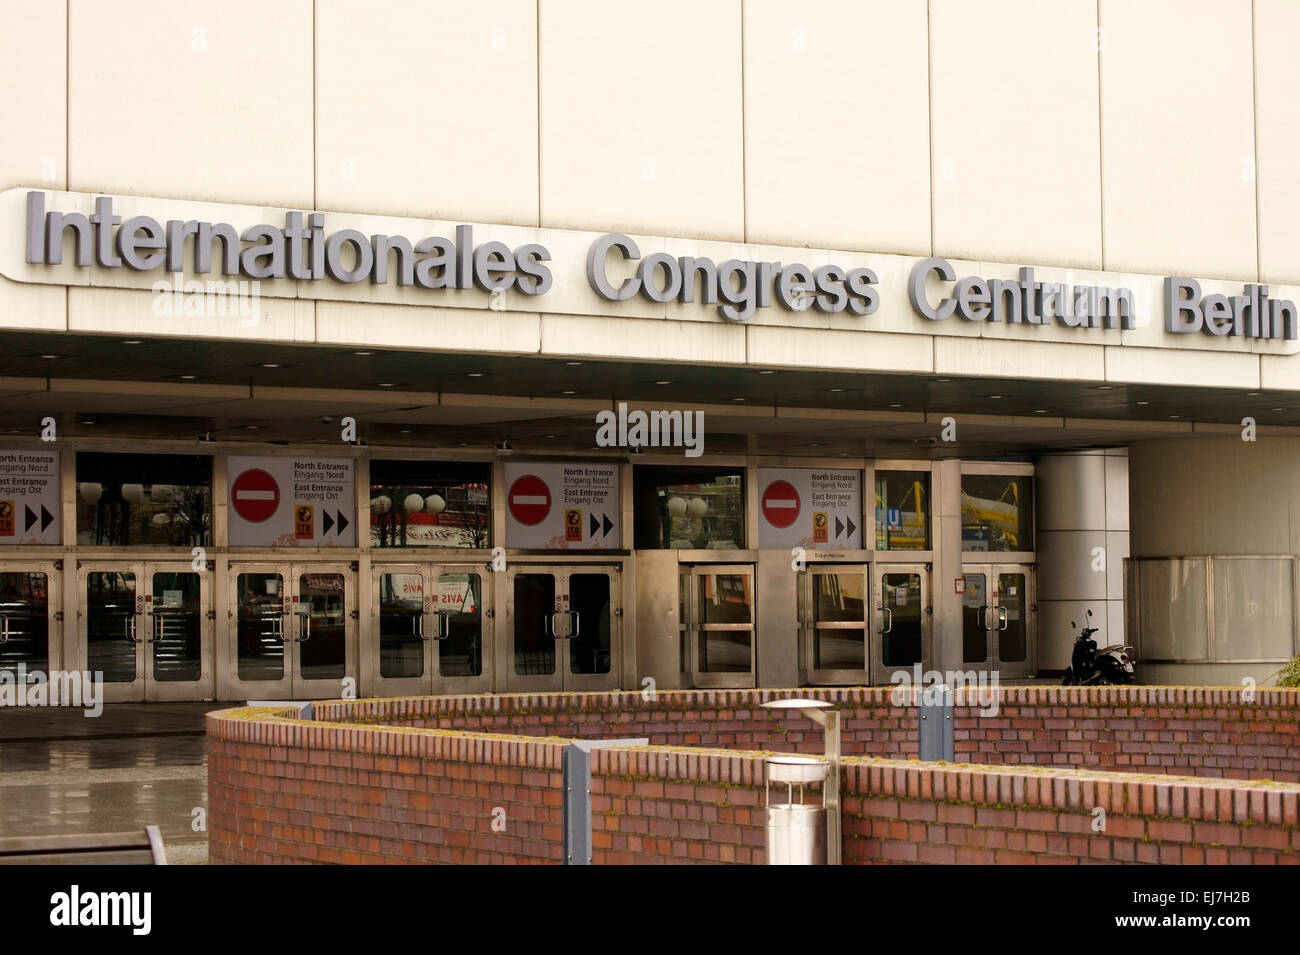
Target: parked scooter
(1112, 665)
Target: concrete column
(945, 625)
(1082, 538)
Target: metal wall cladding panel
(1066, 561)
(1071, 491)
(1116, 492)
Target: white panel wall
(1178, 138)
(1017, 167)
(428, 109)
(192, 100)
(641, 117)
(1277, 107)
(837, 138)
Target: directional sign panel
(554, 505)
(292, 502)
(817, 509)
(29, 498)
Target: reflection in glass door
(903, 619)
(431, 636)
(997, 619)
(563, 625)
(145, 627)
(294, 631)
(833, 624)
(26, 609)
(720, 629)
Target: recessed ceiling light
(462, 444)
(406, 431)
(1175, 416)
(1252, 394)
(942, 381)
(131, 341)
(253, 427)
(895, 406)
(568, 392)
(550, 436)
(87, 422)
(188, 377)
(49, 357)
(663, 382)
(993, 396)
(363, 354)
(813, 444)
(1144, 402)
(269, 364)
(1040, 411)
(767, 371)
(573, 364)
(475, 374)
(1279, 409)
(1105, 387)
(385, 384)
(737, 399)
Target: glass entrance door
(902, 620)
(292, 631)
(29, 609)
(564, 626)
(833, 627)
(997, 619)
(146, 628)
(719, 633)
(429, 633)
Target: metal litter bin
(796, 830)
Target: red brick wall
(283, 790)
(1177, 730)
(930, 813)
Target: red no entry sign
(254, 495)
(529, 500)
(780, 503)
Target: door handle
(417, 626)
(304, 627)
(444, 625)
(888, 620)
(1002, 618)
(577, 624)
(128, 627)
(4, 629)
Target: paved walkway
(137, 764)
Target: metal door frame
(882, 622)
(145, 687)
(563, 679)
(58, 649)
(808, 627)
(693, 675)
(995, 620)
(432, 682)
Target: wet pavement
(135, 765)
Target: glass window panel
(111, 626)
(533, 634)
(689, 508)
(1172, 617)
(1253, 609)
(589, 649)
(975, 619)
(839, 598)
(401, 611)
(259, 626)
(1013, 644)
(177, 628)
(144, 500)
(901, 596)
(460, 601)
(997, 512)
(725, 651)
(322, 647)
(24, 621)
(726, 598)
(902, 510)
(430, 504)
(840, 649)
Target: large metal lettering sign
(562, 506)
(817, 509)
(291, 502)
(29, 498)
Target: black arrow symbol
(31, 517)
(343, 523)
(595, 524)
(852, 527)
(46, 518)
(609, 525)
(839, 527)
(326, 522)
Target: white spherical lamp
(162, 520)
(435, 504)
(382, 504)
(162, 493)
(133, 493)
(90, 492)
(697, 507)
(413, 503)
(677, 506)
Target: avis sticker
(304, 522)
